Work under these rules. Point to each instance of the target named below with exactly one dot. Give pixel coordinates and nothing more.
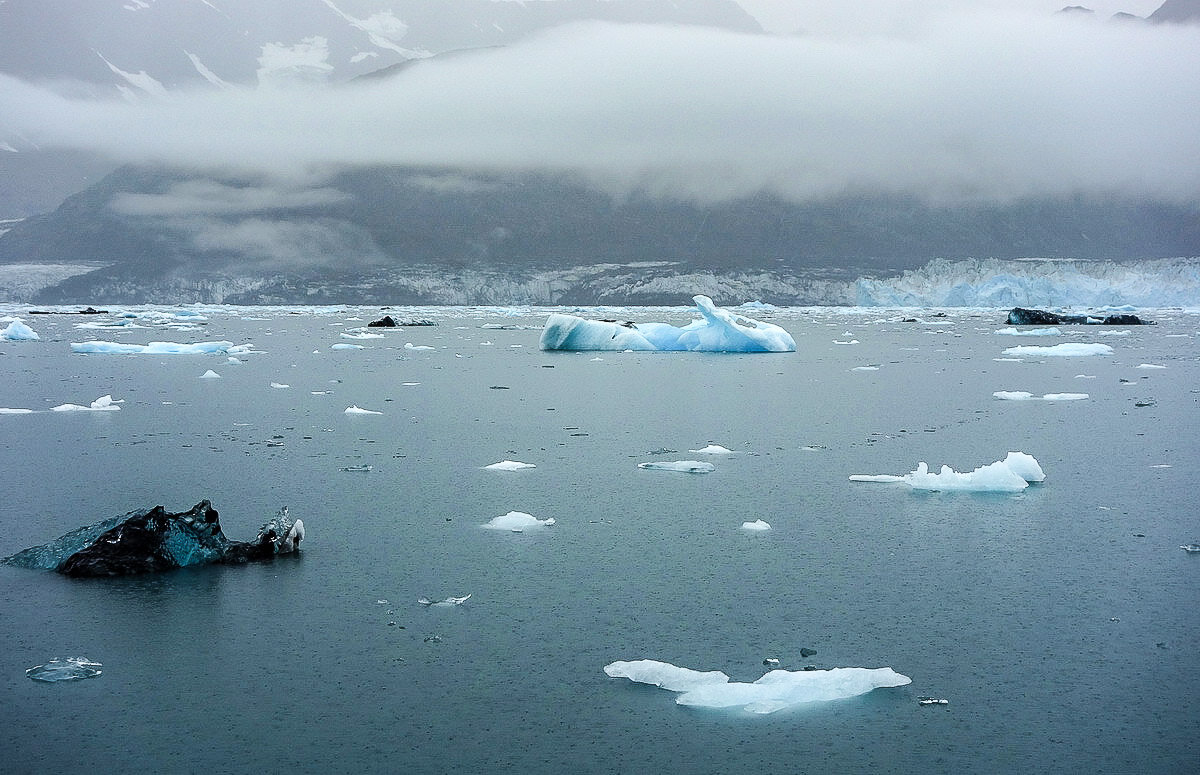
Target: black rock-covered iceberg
(1019, 316)
(155, 540)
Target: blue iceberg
(717, 330)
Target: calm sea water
(1061, 624)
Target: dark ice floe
(775, 691)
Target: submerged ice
(717, 330)
(774, 691)
(68, 669)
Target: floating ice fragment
(1064, 396)
(361, 335)
(362, 469)
(210, 374)
(156, 348)
(279, 385)
(714, 449)
(1021, 395)
(352, 409)
(851, 341)
(931, 701)
(518, 521)
(101, 404)
(69, 669)
(1066, 350)
(17, 331)
(1013, 395)
(1191, 548)
(756, 525)
(717, 330)
(777, 690)
(15, 411)
(865, 368)
(1150, 366)
(1030, 332)
(509, 465)
(1012, 474)
(683, 466)
(411, 346)
(447, 603)
(345, 346)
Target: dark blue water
(1060, 623)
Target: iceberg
(518, 521)
(154, 540)
(683, 466)
(101, 404)
(17, 331)
(156, 348)
(1012, 474)
(1064, 350)
(714, 449)
(756, 525)
(210, 374)
(509, 465)
(774, 691)
(353, 409)
(717, 330)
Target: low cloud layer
(986, 107)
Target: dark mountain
(392, 235)
(1177, 12)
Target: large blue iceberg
(156, 540)
(717, 330)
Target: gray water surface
(1060, 623)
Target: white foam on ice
(1012, 474)
(509, 465)
(358, 410)
(17, 331)
(101, 404)
(1064, 350)
(717, 330)
(1030, 332)
(682, 466)
(517, 522)
(757, 525)
(775, 691)
(157, 348)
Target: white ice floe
(446, 603)
(1150, 366)
(1012, 474)
(1030, 332)
(775, 691)
(714, 449)
(683, 466)
(279, 385)
(69, 669)
(345, 346)
(865, 368)
(756, 525)
(517, 522)
(1064, 350)
(717, 330)
(159, 348)
(17, 331)
(411, 346)
(358, 410)
(15, 411)
(360, 335)
(210, 374)
(101, 404)
(1021, 395)
(509, 465)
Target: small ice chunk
(15, 411)
(756, 525)
(1013, 395)
(352, 409)
(777, 690)
(411, 346)
(346, 346)
(518, 521)
(447, 603)
(865, 368)
(1150, 366)
(1031, 332)
(1064, 350)
(1012, 474)
(157, 348)
(509, 465)
(683, 466)
(1190, 548)
(361, 335)
(1021, 395)
(210, 374)
(279, 385)
(714, 449)
(875, 478)
(101, 404)
(932, 701)
(1064, 396)
(69, 669)
(17, 331)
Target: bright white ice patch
(1021, 395)
(517, 522)
(101, 404)
(17, 331)
(358, 410)
(1030, 332)
(777, 690)
(509, 465)
(1012, 474)
(714, 449)
(683, 466)
(157, 348)
(1150, 366)
(210, 374)
(717, 330)
(756, 525)
(345, 346)
(1064, 350)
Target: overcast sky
(949, 106)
